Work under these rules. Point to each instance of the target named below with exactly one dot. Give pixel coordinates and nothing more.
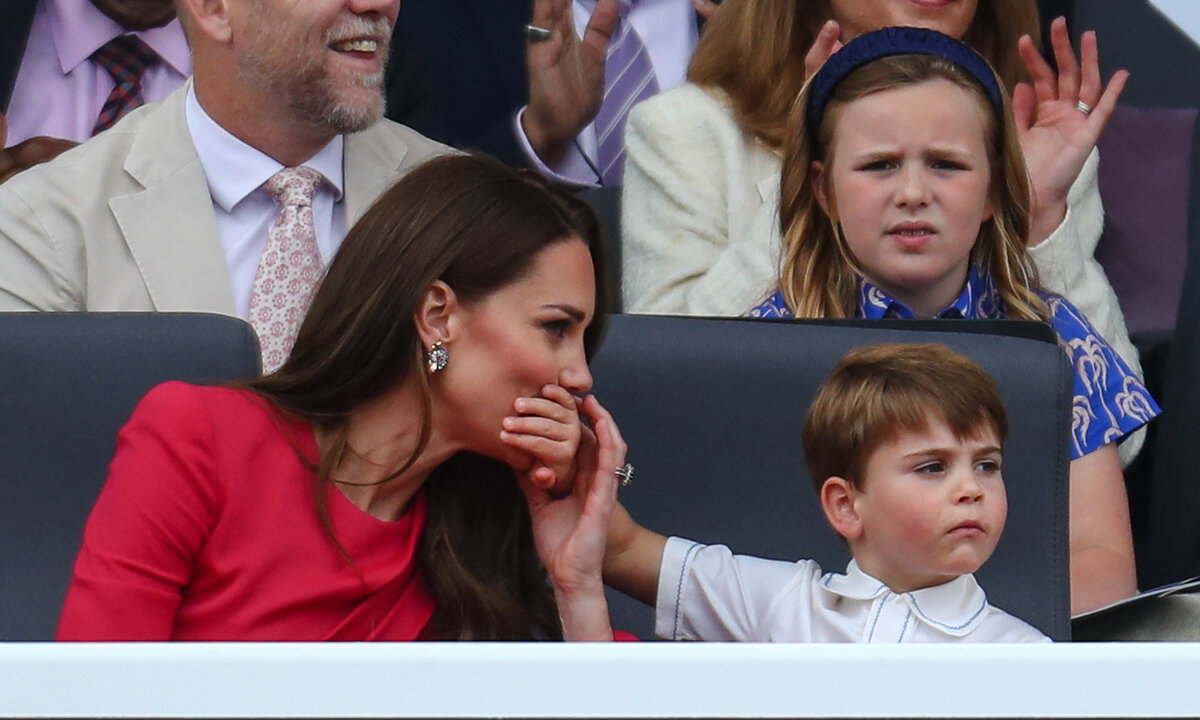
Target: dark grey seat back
(712, 411)
(70, 381)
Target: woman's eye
(558, 328)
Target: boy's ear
(816, 175)
(837, 500)
(437, 314)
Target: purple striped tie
(629, 79)
(126, 58)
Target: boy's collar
(978, 299)
(954, 608)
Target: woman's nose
(576, 377)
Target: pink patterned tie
(290, 268)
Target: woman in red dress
(395, 478)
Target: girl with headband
(905, 194)
(699, 213)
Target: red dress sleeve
(157, 508)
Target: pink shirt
(59, 91)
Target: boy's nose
(968, 489)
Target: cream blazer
(700, 222)
(125, 220)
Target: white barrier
(601, 680)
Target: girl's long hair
(752, 51)
(819, 275)
(476, 225)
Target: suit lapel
(169, 225)
(371, 163)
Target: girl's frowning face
(907, 179)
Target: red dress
(207, 529)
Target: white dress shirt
(668, 30)
(245, 211)
(708, 593)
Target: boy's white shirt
(708, 593)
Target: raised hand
(571, 532)
(1060, 118)
(566, 75)
(826, 44)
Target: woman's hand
(571, 532)
(1056, 134)
(545, 435)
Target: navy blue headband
(895, 41)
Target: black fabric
(70, 382)
(457, 73)
(606, 201)
(1171, 550)
(15, 18)
(712, 411)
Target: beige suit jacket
(125, 221)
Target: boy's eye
(930, 468)
(988, 466)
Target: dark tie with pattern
(126, 59)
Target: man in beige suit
(165, 211)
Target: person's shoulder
(395, 138)
(688, 100)
(1000, 626)
(92, 167)
(175, 395)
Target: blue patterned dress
(1110, 400)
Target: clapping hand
(1060, 118)
(566, 75)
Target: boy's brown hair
(879, 391)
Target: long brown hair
(820, 276)
(753, 52)
(476, 225)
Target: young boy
(903, 443)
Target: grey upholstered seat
(70, 381)
(712, 411)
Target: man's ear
(816, 176)
(437, 314)
(838, 502)
(212, 18)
